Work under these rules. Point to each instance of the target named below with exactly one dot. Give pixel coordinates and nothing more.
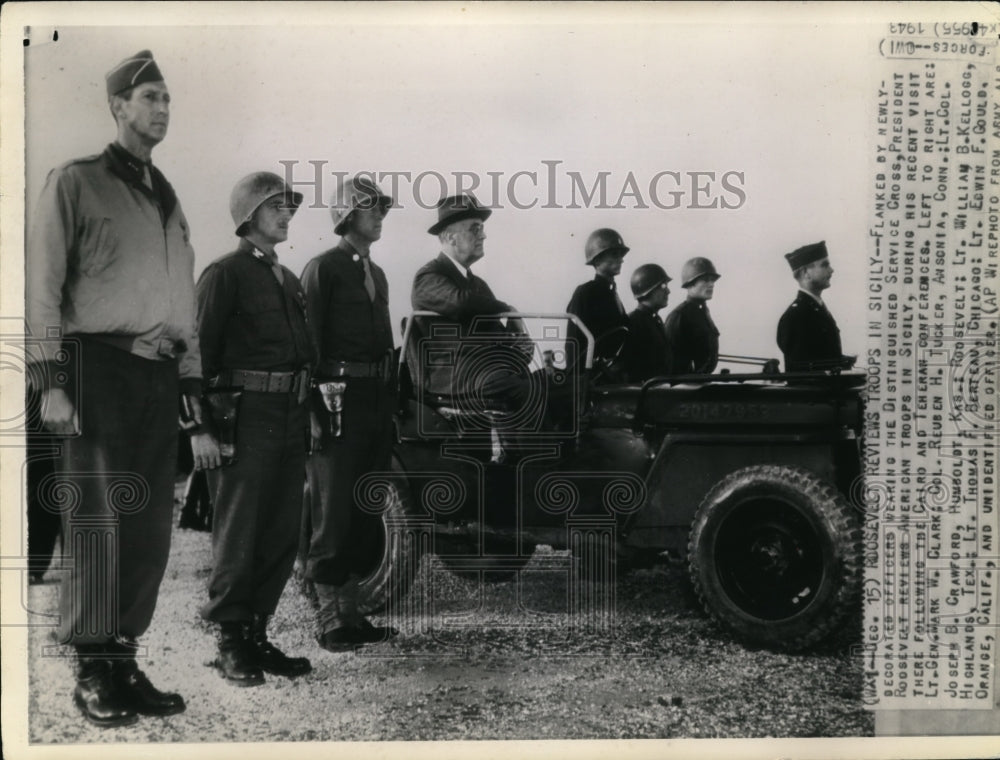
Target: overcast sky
(786, 105)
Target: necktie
(618, 301)
(147, 178)
(272, 259)
(369, 280)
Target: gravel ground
(495, 661)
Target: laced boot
(135, 688)
(236, 661)
(269, 658)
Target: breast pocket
(266, 316)
(98, 245)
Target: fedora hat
(455, 208)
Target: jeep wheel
(775, 555)
(396, 565)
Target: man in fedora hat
(110, 267)
(256, 342)
(808, 335)
(347, 298)
(447, 286)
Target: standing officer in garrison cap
(596, 302)
(808, 335)
(347, 297)
(693, 336)
(647, 353)
(255, 338)
(110, 266)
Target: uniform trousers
(344, 538)
(116, 494)
(258, 508)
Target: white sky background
(642, 89)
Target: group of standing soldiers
(286, 387)
(313, 355)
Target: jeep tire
(394, 570)
(775, 555)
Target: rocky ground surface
(492, 661)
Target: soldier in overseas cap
(257, 351)
(691, 333)
(808, 335)
(347, 297)
(110, 266)
(596, 302)
(647, 353)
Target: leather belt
(381, 369)
(264, 382)
(168, 348)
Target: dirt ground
(489, 661)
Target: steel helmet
(359, 191)
(697, 267)
(648, 278)
(251, 191)
(602, 240)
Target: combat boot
(269, 658)
(236, 661)
(134, 687)
(95, 693)
(366, 632)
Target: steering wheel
(608, 349)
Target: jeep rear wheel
(775, 555)
(395, 566)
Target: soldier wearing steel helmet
(255, 337)
(596, 302)
(647, 353)
(347, 297)
(691, 333)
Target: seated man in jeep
(446, 285)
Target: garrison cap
(806, 255)
(135, 70)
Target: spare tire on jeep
(775, 555)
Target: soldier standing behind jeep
(347, 298)
(596, 302)
(252, 325)
(691, 333)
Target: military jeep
(747, 476)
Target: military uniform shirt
(248, 320)
(347, 323)
(693, 338)
(646, 352)
(598, 306)
(808, 336)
